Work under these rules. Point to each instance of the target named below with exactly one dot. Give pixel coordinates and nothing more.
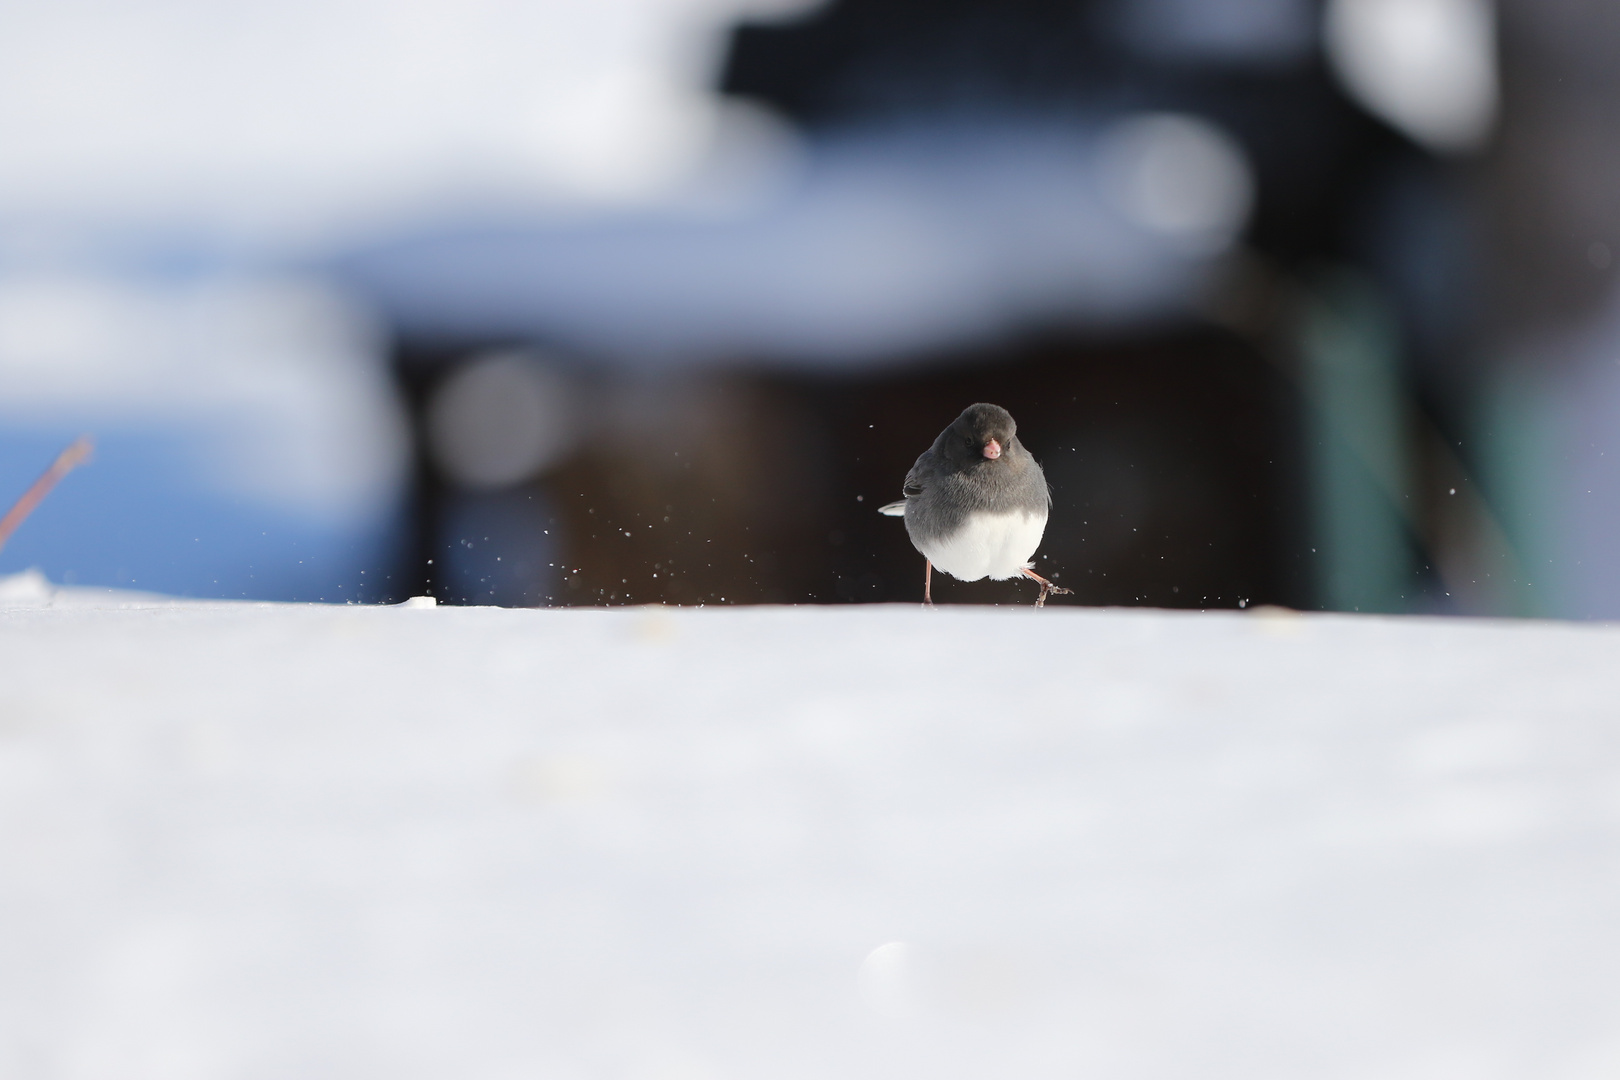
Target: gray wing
(913, 485)
(916, 479)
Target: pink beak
(992, 449)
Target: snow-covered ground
(265, 841)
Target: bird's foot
(1051, 590)
(1047, 588)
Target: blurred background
(628, 301)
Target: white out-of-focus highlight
(302, 114)
(500, 419)
(887, 980)
(287, 376)
(1426, 66)
(1178, 176)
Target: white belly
(996, 546)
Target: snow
(254, 840)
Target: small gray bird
(976, 503)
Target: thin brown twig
(68, 460)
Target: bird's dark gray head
(982, 431)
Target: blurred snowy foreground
(262, 841)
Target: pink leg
(928, 583)
(1046, 588)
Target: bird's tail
(894, 509)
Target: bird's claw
(1047, 588)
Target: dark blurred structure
(1172, 460)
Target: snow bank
(249, 840)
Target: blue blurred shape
(248, 444)
(889, 241)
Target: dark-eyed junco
(976, 503)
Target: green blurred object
(1361, 464)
